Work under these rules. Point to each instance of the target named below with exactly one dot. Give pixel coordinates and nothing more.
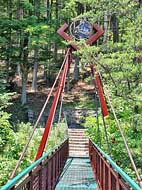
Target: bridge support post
(40, 176)
(49, 174)
(54, 171)
(46, 173)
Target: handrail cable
(106, 134)
(122, 134)
(97, 118)
(39, 117)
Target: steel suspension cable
(120, 129)
(61, 105)
(52, 111)
(97, 118)
(62, 98)
(39, 117)
(97, 99)
(60, 110)
(104, 125)
(106, 134)
(122, 134)
(105, 128)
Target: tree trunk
(36, 50)
(20, 10)
(115, 29)
(128, 84)
(80, 8)
(134, 118)
(23, 56)
(45, 74)
(46, 14)
(140, 2)
(24, 67)
(35, 69)
(55, 44)
(46, 4)
(50, 10)
(105, 28)
(85, 7)
(9, 45)
(55, 53)
(37, 8)
(24, 94)
(76, 69)
(19, 17)
(19, 70)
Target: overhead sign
(81, 29)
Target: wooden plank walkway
(77, 175)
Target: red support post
(97, 83)
(101, 96)
(53, 171)
(52, 111)
(104, 176)
(62, 32)
(97, 29)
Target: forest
(31, 53)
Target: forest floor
(80, 95)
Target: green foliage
(118, 151)
(5, 130)
(12, 143)
(4, 95)
(57, 135)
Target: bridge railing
(108, 174)
(43, 173)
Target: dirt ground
(79, 94)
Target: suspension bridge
(77, 163)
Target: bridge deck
(77, 175)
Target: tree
(36, 50)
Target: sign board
(81, 29)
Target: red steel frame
(97, 83)
(52, 110)
(101, 96)
(62, 32)
(95, 36)
(98, 32)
